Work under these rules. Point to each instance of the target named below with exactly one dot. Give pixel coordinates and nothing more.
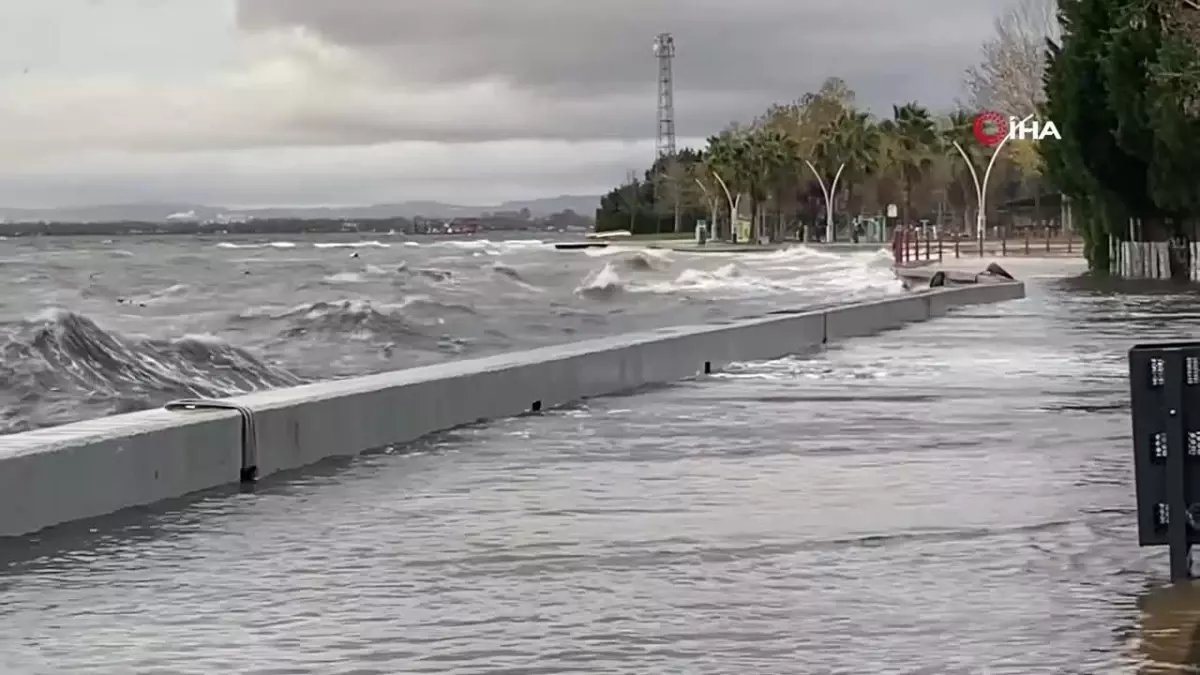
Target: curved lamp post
(733, 206)
(712, 205)
(981, 187)
(829, 193)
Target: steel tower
(664, 49)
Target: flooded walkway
(955, 497)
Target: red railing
(914, 245)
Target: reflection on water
(1170, 629)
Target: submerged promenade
(951, 496)
(86, 469)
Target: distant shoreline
(255, 227)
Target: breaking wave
(644, 261)
(323, 316)
(269, 244)
(345, 278)
(59, 359)
(356, 318)
(291, 244)
(413, 316)
(603, 284)
(797, 270)
(351, 244)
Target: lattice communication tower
(664, 49)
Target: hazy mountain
(157, 212)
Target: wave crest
(59, 358)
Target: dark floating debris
(571, 246)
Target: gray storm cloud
(733, 58)
(355, 101)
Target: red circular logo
(990, 127)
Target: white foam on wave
(163, 294)
(49, 315)
(351, 244)
(354, 306)
(851, 268)
(729, 279)
(493, 247)
(202, 338)
(603, 282)
(345, 278)
(799, 257)
(656, 253)
(269, 244)
(798, 269)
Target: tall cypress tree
(1103, 94)
(1133, 44)
(1174, 113)
(1083, 163)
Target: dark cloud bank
(734, 58)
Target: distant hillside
(584, 205)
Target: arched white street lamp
(829, 193)
(981, 187)
(733, 206)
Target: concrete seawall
(87, 469)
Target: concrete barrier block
(294, 430)
(91, 468)
(872, 317)
(941, 302)
(763, 338)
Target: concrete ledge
(92, 468)
(925, 274)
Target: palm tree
(914, 141)
(727, 160)
(771, 155)
(750, 162)
(854, 141)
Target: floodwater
(953, 497)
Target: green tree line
(1123, 84)
(782, 162)
(1119, 78)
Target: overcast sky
(305, 102)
